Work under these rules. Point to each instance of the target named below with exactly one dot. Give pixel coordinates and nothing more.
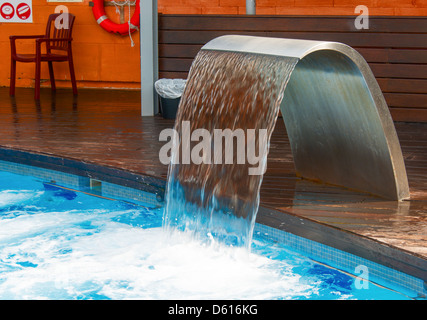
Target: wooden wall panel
(394, 47)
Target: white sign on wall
(16, 11)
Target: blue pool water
(62, 244)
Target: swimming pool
(60, 242)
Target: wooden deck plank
(381, 40)
(290, 23)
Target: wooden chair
(58, 48)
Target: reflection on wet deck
(105, 127)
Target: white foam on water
(12, 197)
(57, 259)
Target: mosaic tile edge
(343, 260)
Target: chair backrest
(59, 25)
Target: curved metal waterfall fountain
(337, 120)
(338, 123)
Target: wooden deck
(105, 127)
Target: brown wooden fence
(394, 47)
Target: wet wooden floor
(105, 127)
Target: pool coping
(367, 248)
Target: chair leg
(72, 74)
(12, 77)
(52, 77)
(37, 81)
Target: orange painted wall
(106, 60)
(101, 59)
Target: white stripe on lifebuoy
(101, 18)
(133, 26)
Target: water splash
(225, 90)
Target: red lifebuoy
(107, 24)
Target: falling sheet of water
(225, 90)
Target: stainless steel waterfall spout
(338, 122)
